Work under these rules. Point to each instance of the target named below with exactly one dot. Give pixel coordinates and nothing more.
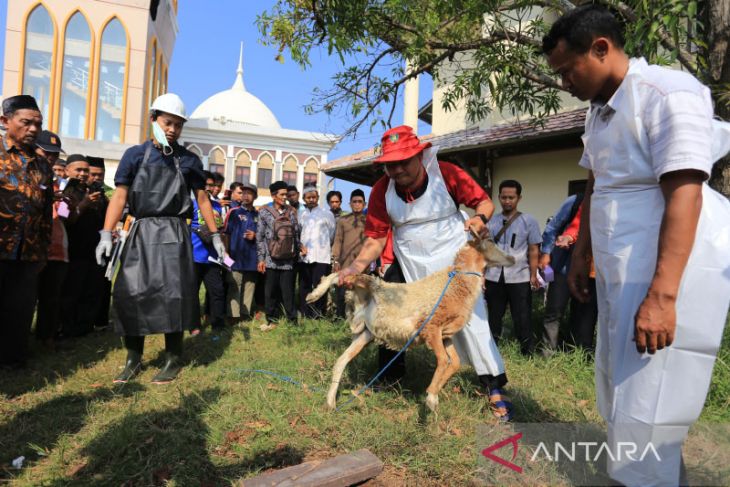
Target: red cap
(399, 144)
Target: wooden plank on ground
(341, 471)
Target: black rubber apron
(155, 290)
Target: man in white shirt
(318, 231)
(658, 236)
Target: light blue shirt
(515, 241)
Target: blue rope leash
(288, 379)
(452, 274)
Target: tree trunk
(716, 18)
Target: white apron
(643, 397)
(427, 234)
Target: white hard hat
(170, 103)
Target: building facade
(236, 135)
(95, 67)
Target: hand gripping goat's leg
(324, 285)
(358, 343)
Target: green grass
(217, 424)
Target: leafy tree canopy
(494, 48)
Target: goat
(390, 313)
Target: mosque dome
(236, 105)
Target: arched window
(38, 58)
(311, 171)
(217, 161)
(112, 70)
(75, 77)
(289, 173)
(195, 150)
(264, 171)
(243, 167)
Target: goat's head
(486, 246)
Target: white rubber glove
(218, 246)
(104, 248)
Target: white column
(255, 172)
(300, 176)
(229, 172)
(410, 101)
(278, 173)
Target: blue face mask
(159, 135)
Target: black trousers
(583, 317)
(103, 294)
(18, 289)
(80, 303)
(278, 290)
(309, 277)
(398, 369)
(50, 289)
(212, 276)
(558, 296)
(519, 297)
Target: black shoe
(169, 371)
(131, 369)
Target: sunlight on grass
(218, 422)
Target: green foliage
(487, 52)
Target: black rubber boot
(173, 362)
(133, 366)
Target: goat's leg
(452, 367)
(442, 362)
(358, 343)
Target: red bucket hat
(399, 144)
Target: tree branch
(684, 57)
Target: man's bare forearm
(371, 250)
(683, 196)
(532, 257)
(206, 210)
(485, 208)
(116, 207)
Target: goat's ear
(474, 233)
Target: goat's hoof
(432, 402)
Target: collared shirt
(318, 230)
(190, 165)
(462, 188)
(243, 251)
(515, 241)
(266, 233)
(675, 111)
(349, 238)
(26, 199)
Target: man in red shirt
(419, 198)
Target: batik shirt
(26, 199)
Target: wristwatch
(484, 218)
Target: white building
(236, 134)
